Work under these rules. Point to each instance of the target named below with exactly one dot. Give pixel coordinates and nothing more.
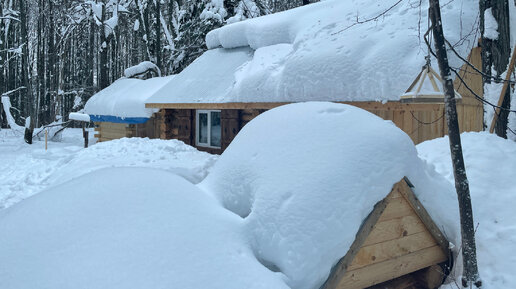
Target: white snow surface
(141, 68)
(127, 228)
(29, 169)
(319, 52)
(205, 78)
(125, 97)
(280, 206)
(79, 116)
(6, 105)
(490, 167)
(490, 25)
(304, 187)
(277, 207)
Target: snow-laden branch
(6, 102)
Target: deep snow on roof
(206, 78)
(125, 98)
(319, 52)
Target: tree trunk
(2, 73)
(103, 57)
(496, 54)
(470, 274)
(25, 73)
(158, 35)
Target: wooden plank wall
(105, 131)
(421, 121)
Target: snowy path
(28, 169)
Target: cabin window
(208, 130)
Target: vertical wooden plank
(398, 118)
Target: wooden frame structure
(397, 238)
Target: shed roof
(124, 100)
(320, 52)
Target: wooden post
(504, 89)
(85, 135)
(470, 275)
(46, 139)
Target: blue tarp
(116, 119)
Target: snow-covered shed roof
(322, 52)
(124, 100)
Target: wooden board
(393, 268)
(376, 253)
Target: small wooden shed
(119, 110)
(397, 246)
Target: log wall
(421, 121)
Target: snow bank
(319, 52)
(169, 155)
(152, 231)
(125, 98)
(490, 166)
(29, 169)
(304, 176)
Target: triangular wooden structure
(427, 78)
(397, 238)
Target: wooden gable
(396, 239)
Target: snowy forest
(55, 54)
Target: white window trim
(197, 143)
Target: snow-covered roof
(209, 77)
(124, 100)
(320, 52)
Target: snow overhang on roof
(319, 52)
(124, 100)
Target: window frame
(197, 127)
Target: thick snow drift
(320, 53)
(127, 228)
(491, 169)
(304, 176)
(29, 169)
(125, 98)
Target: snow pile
(490, 166)
(320, 52)
(304, 188)
(29, 169)
(141, 68)
(125, 98)
(127, 228)
(169, 155)
(79, 117)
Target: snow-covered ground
(29, 169)
(491, 169)
(117, 215)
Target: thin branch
(369, 19)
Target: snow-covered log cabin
(320, 53)
(119, 109)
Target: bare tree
(469, 255)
